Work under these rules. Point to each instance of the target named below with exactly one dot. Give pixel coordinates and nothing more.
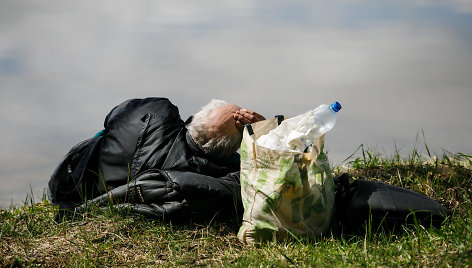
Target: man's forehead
(227, 109)
(222, 119)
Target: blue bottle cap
(336, 106)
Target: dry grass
(29, 237)
(118, 241)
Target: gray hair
(216, 146)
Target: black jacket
(146, 160)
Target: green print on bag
(246, 204)
(264, 230)
(302, 207)
(243, 149)
(288, 173)
(244, 180)
(317, 173)
(272, 202)
(322, 156)
(261, 180)
(315, 169)
(323, 192)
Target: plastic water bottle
(297, 133)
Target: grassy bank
(30, 237)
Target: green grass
(29, 236)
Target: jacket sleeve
(208, 195)
(178, 195)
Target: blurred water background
(399, 68)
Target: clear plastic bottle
(297, 133)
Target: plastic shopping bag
(284, 193)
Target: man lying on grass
(150, 161)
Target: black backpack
(364, 202)
(75, 179)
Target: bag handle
(280, 118)
(249, 129)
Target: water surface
(399, 68)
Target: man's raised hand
(246, 116)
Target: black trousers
(381, 206)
